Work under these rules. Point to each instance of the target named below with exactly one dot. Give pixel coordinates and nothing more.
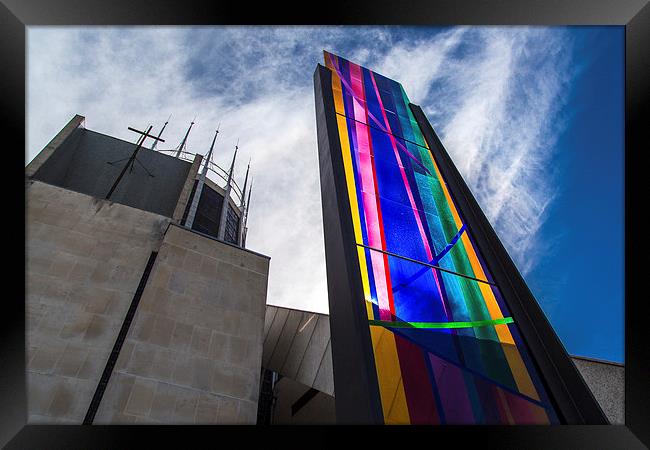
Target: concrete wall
(607, 382)
(90, 162)
(84, 260)
(50, 148)
(193, 352)
(297, 345)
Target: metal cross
(132, 158)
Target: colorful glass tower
(431, 323)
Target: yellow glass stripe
(399, 414)
(352, 191)
(389, 377)
(519, 371)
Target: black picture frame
(15, 15)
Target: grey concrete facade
(606, 380)
(297, 346)
(185, 195)
(45, 154)
(89, 162)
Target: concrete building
(132, 315)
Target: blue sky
(532, 117)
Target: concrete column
(61, 136)
(184, 198)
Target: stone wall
(193, 352)
(84, 260)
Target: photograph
(340, 225)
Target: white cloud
(494, 104)
(495, 117)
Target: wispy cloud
(494, 95)
(491, 93)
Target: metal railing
(212, 169)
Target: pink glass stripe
(370, 209)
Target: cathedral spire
(226, 197)
(243, 194)
(155, 142)
(189, 221)
(183, 144)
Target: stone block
(228, 413)
(200, 344)
(202, 369)
(160, 274)
(80, 296)
(186, 403)
(231, 322)
(102, 273)
(100, 329)
(207, 409)
(162, 331)
(222, 379)
(181, 337)
(192, 262)
(78, 244)
(38, 263)
(115, 399)
(182, 370)
(172, 255)
(98, 300)
(247, 413)
(82, 270)
(209, 267)
(164, 403)
(125, 355)
(162, 366)
(70, 361)
(141, 360)
(93, 365)
(141, 398)
(240, 351)
(103, 250)
(61, 266)
(62, 403)
(219, 346)
(40, 392)
(46, 357)
(142, 326)
(119, 304)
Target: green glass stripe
(476, 323)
